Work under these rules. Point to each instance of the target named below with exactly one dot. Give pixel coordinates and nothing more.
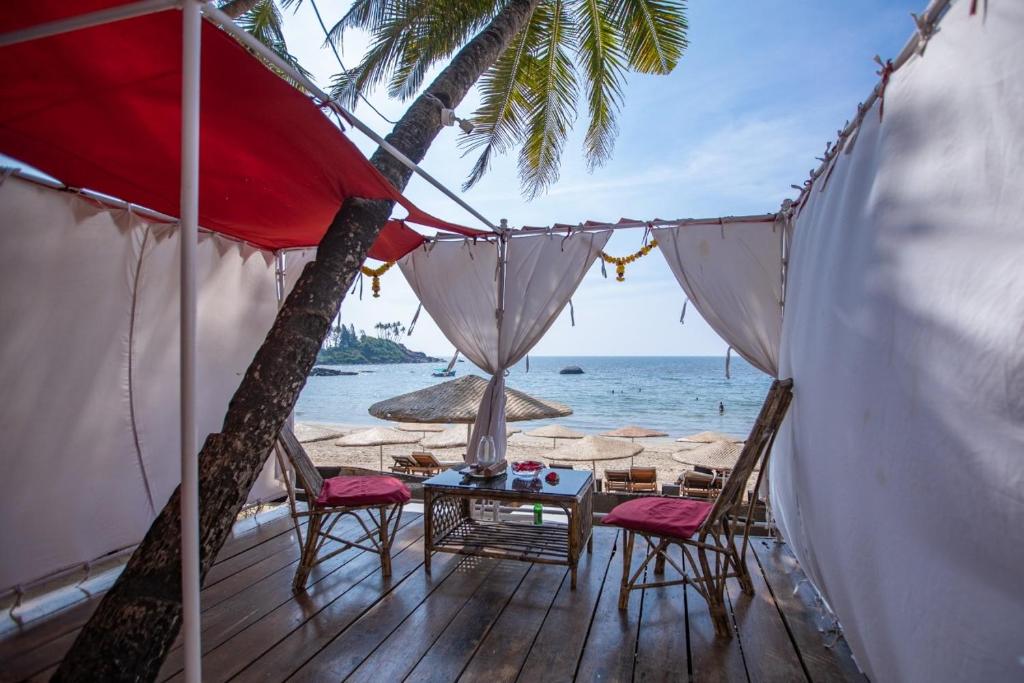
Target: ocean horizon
(675, 394)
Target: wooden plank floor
(471, 619)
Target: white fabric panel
(72, 487)
(732, 274)
(898, 478)
(75, 481)
(457, 282)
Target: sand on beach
(318, 440)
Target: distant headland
(344, 346)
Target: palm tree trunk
(136, 623)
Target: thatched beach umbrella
(377, 436)
(720, 455)
(555, 432)
(593, 448)
(708, 437)
(458, 400)
(632, 432)
(454, 436)
(421, 428)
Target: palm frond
(504, 99)
(599, 52)
(444, 29)
(553, 91)
(263, 21)
(653, 33)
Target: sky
(761, 88)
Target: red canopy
(100, 108)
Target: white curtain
(898, 478)
(732, 274)
(457, 283)
(89, 366)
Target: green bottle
(538, 513)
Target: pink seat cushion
(356, 491)
(677, 517)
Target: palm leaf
(504, 99)
(263, 21)
(552, 89)
(653, 33)
(599, 52)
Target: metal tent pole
(189, 235)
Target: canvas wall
(89, 370)
(898, 479)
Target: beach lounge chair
(427, 463)
(702, 482)
(375, 502)
(403, 464)
(616, 480)
(705, 532)
(643, 479)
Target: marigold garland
(620, 261)
(375, 273)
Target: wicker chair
(704, 532)
(381, 498)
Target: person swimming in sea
(721, 408)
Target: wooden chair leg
(307, 556)
(385, 544)
(627, 557)
(659, 561)
(714, 587)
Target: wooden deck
(471, 619)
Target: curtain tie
(572, 314)
(728, 360)
(682, 316)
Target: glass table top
(570, 482)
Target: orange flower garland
(375, 273)
(620, 261)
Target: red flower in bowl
(551, 478)
(527, 468)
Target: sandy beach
(319, 438)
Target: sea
(675, 394)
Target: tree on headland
(534, 60)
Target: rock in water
(319, 371)
(571, 370)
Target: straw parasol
(454, 436)
(632, 432)
(708, 437)
(458, 401)
(423, 428)
(377, 436)
(555, 432)
(720, 455)
(593, 448)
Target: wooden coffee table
(450, 528)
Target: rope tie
(604, 271)
(527, 363)
(415, 317)
(682, 316)
(572, 314)
(19, 591)
(728, 361)
(885, 72)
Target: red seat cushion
(356, 491)
(677, 517)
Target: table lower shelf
(545, 543)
